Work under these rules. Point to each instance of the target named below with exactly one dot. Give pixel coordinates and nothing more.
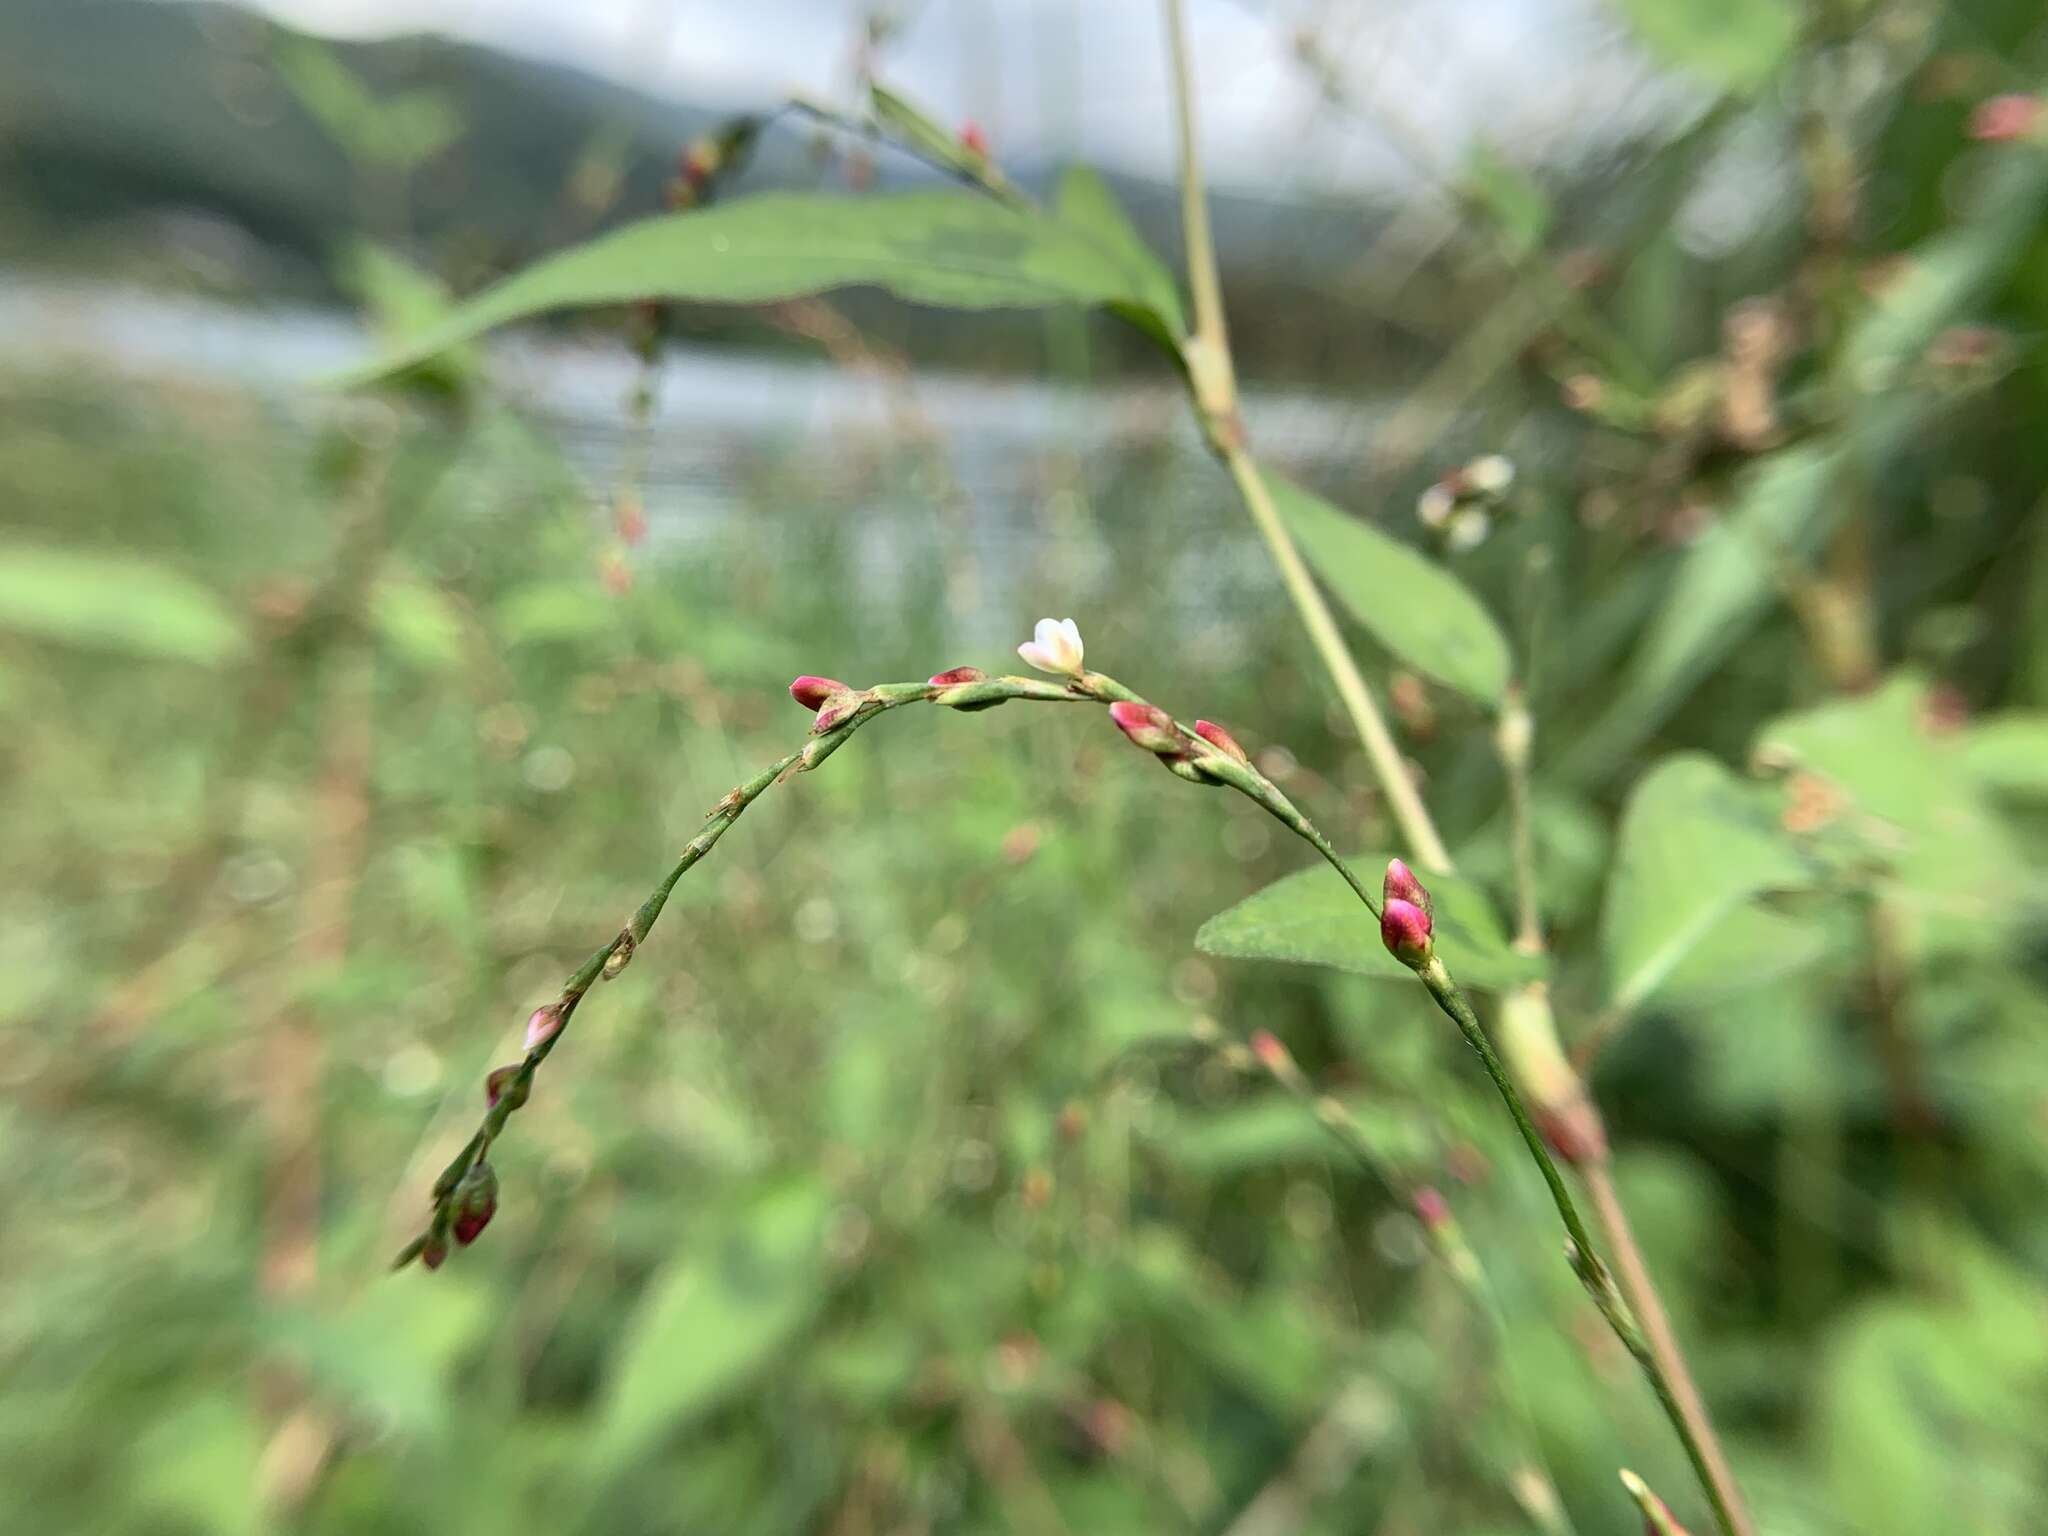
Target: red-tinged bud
(956, 676)
(813, 692)
(632, 519)
(505, 1080)
(973, 140)
(1221, 740)
(434, 1251)
(474, 1202)
(1431, 1209)
(1405, 929)
(699, 162)
(837, 711)
(1401, 885)
(543, 1024)
(1148, 726)
(1271, 1053)
(2005, 119)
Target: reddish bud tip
(1271, 1053)
(957, 676)
(1401, 885)
(1148, 726)
(840, 709)
(543, 1024)
(812, 692)
(474, 1202)
(1405, 930)
(1431, 1209)
(503, 1079)
(1220, 739)
(2005, 119)
(434, 1252)
(973, 140)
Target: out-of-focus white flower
(1490, 476)
(1054, 646)
(1434, 505)
(1468, 530)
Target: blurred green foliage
(914, 1178)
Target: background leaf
(1414, 607)
(113, 602)
(1735, 44)
(712, 1318)
(956, 249)
(1312, 916)
(1695, 843)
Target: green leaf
(2008, 755)
(1414, 607)
(1911, 806)
(1735, 44)
(1728, 577)
(910, 125)
(113, 602)
(1518, 206)
(1696, 842)
(712, 1319)
(417, 621)
(1945, 275)
(1313, 917)
(955, 249)
(1085, 202)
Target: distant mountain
(128, 126)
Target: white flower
(1490, 476)
(1468, 530)
(1434, 505)
(1054, 646)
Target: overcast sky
(1087, 77)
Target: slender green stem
(1213, 379)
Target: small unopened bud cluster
(834, 702)
(1460, 507)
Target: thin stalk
(1213, 378)
(1674, 1383)
(1562, 1095)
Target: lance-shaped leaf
(1418, 610)
(960, 250)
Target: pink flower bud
(434, 1252)
(1271, 1053)
(1221, 739)
(1405, 930)
(1431, 1209)
(837, 711)
(2005, 119)
(1401, 885)
(1148, 726)
(812, 692)
(973, 140)
(474, 1202)
(957, 676)
(543, 1024)
(503, 1079)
